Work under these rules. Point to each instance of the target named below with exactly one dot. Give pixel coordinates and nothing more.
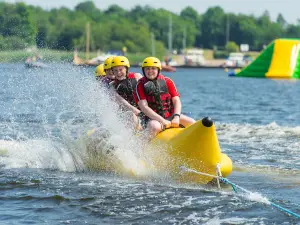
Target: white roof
(195, 51)
(236, 54)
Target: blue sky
(288, 8)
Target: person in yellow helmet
(99, 72)
(158, 98)
(110, 77)
(125, 83)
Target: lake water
(44, 180)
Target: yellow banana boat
(195, 147)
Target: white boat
(235, 59)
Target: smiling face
(110, 74)
(151, 72)
(120, 72)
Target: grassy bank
(67, 56)
(48, 55)
(59, 56)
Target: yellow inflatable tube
(195, 147)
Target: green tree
(280, 20)
(292, 31)
(243, 29)
(15, 20)
(213, 27)
(89, 9)
(231, 46)
(188, 13)
(62, 28)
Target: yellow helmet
(107, 63)
(100, 71)
(120, 61)
(151, 61)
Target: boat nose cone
(207, 122)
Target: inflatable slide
(280, 59)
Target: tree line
(24, 25)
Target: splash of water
(256, 197)
(65, 103)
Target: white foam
(233, 130)
(257, 197)
(35, 154)
(70, 104)
(261, 145)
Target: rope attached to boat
(235, 187)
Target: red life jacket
(158, 96)
(126, 87)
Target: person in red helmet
(158, 98)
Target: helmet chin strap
(127, 72)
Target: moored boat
(168, 68)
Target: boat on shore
(82, 62)
(168, 68)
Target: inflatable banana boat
(195, 147)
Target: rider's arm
(126, 104)
(120, 100)
(138, 76)
(177, 105)
(175, 96)
(143, 104)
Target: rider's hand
(175, 121)
(137, 112)
(166, 123)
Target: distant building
(194, 57)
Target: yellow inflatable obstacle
(279, 60)
(195, 147)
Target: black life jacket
(126, 87)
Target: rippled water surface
(44, 179)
